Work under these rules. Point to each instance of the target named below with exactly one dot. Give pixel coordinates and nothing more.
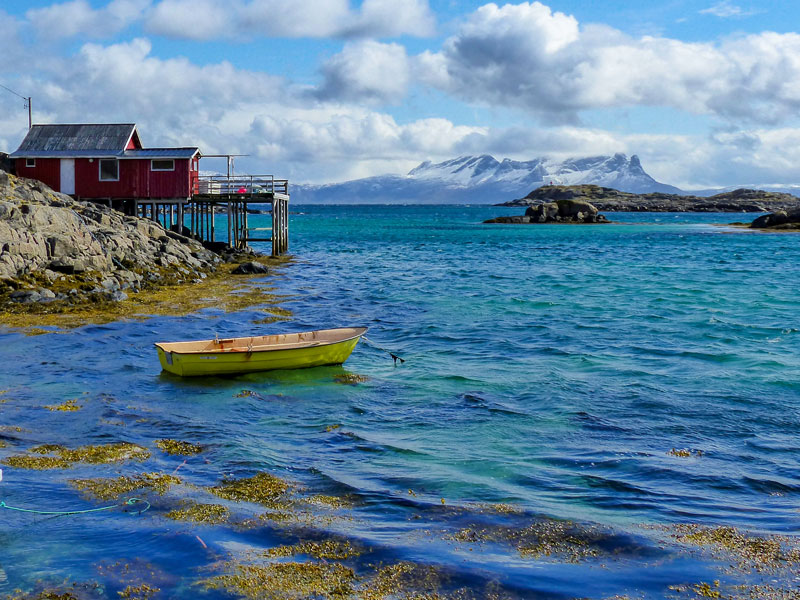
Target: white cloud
(215, 19)
(366, 71)
(524, 56)
(77, 17)
(390, 18)
(189, 19)
(725, 10)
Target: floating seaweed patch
(685, 453)
(262, 488)
(350, 378)
(36, 463)
(68, 406)
(758, 553)
(112, 488)
(328, 501)
(500, 509)
(567, 540)
(178, 447)
(403, 580)
(286, 581)
(331, 549)
(274, 517)
(196, 512)
(12, 429)
(142, 591)
(330, 428)
(65, 457)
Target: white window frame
(155, 160)
(100, 169)
(30, 163)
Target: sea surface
(571, 398)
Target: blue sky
(706, 92)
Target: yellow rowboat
(261, 353)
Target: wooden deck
(233, 196)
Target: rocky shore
(55, 250)
(608, 199)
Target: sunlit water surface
(549, 368)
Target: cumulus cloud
(366, 71)
(525, 56)
(77, 17)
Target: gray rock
(25, 296)
(116, 296)
(250, 268)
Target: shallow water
(550, 368)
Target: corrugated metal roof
(65, 154)
(161, 153)
(78, 139)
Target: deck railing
(218, 185)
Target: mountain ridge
(482, 179)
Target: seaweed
(36, 463)
(759, 553)
(685, 453)
(196, 512)
(326, 549)
(142, 591)
(547, 538)
(112, 488)
(329, 501)
(262, 488)
(178, 447)
(172, 295)
(286, 581)
(68, 406)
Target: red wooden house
(94, 162)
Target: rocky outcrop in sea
(54, 248)
(561, 211)
(609, 199)
(788, 220)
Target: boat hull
(249, 358)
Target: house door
(67, 176)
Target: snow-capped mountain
(484, 180)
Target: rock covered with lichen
(54, 248)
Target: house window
(162, 165)
(30, 162)
(109, 169)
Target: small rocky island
(561, 211)
(609, 199)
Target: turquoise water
(549, 368)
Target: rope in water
(389, 352)
(128, 502)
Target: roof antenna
(27, 103)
